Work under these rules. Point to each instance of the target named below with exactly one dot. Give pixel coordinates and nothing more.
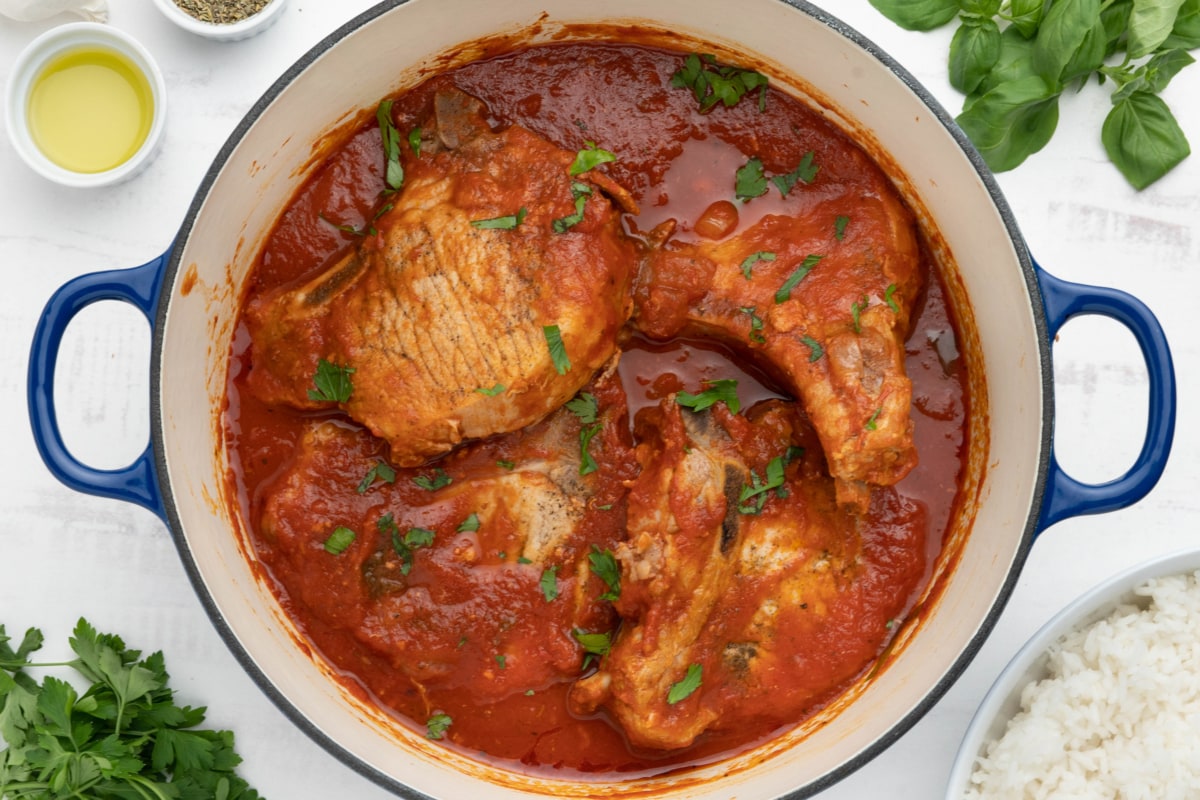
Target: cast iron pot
(1009, 308)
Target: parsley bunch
(1013, 59)
(123, 738)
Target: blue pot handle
(1064, 496)
(140, 288)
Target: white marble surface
(63, 554)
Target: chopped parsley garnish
(806, 171)
(685, 687)
(585, 407)
(754, 496)
(784, 293)
(889, 299)
(580, 192)
(839, 227)
(756, 325)
(605, 567)
(339, 540)
(414, 141)
(505, 464)
(436, 726)
(549, 583)
(595, 645)
(492, 392)
(470, 524)
(502, 660)
(394, 171)
(724, 390)
(332, 382)
(814, 347)
(403, 546)
(749, 261)
(590, 157)
(856, 310)
(750, 181)
(713, 83)
(432, 483)
(871, 422)
(381, 472)
(558, 350)
(506, 223)
(524, 560)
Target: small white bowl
(222, 31)
(1003, 700)
(30, 63)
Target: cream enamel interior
(383, 55)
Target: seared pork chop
(475, 309)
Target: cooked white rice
(1119, 715)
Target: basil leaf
(394, 173)
(749, 261)
(1063, 31)
(431, 483)
(604, 566)
(805, 171)
(1012, 121)
(750, 180)
(974, 50)
(549, 583)
(982, 8)
(839, 227)
(1015, 62)
(380, 471)
(918, 15)
(1026, 15)
(1143, 139)
(1155, 74)
(1150, 24)
(593, 643)
(1116, 24)
(784, 292)
(1186, 33)
(1089, 57)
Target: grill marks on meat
(705, 584)
(836, 340)
(434, 308)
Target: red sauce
(677, 163)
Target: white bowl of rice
(1103, 702)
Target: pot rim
(170, 513)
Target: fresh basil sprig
(1013, 59)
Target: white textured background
(63, 555)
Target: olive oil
(90, 109)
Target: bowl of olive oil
(85, 105)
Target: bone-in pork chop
(492, 291)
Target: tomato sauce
(676, 162)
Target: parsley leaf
(558, 350)
(856, 310)
(492, 392)
(839, 227)
(889, 299)
(381, 471)
(414, 141)
(805, 171)
(437, 725)
(585, 407)
(604, 566)
(431, 483)
(403, 546)
(750, 181)
(724, 390)
(784, 293)
(815, 349)
(712, 83)
(470, 524)
(124, 737)
(684, 688)
(332, 382)
(871, 424)
(754, 496)
(590, 157)
(339, 540)
(756, 325)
